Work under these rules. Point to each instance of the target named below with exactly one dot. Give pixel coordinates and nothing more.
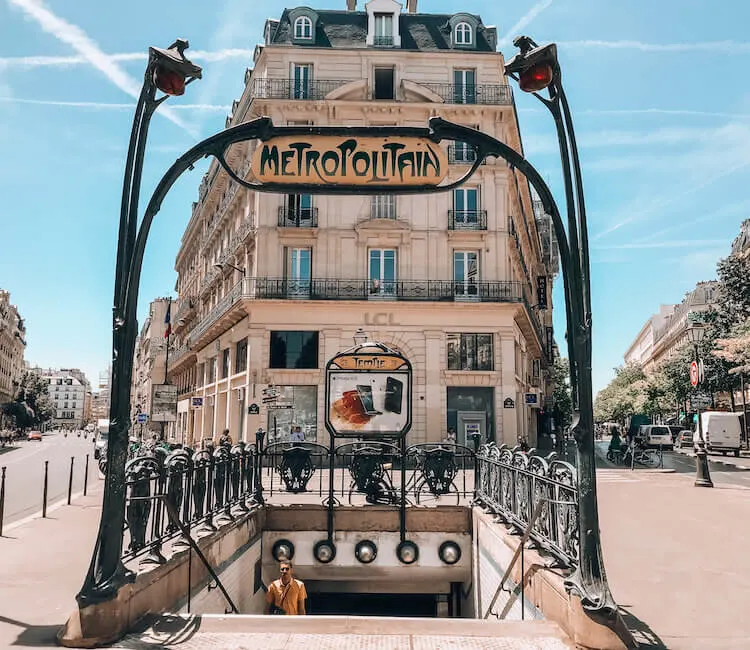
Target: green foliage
(673, 379)
(734, 349)
(629, 392)
(32, 405)
(734, 289)
(562, 411)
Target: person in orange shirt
(286, 595)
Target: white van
(655, 435)
(721, 431)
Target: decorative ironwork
(467, 219)
(472, 93)
(297, 217)
(296, 89)
(511, 483)
(369, 466)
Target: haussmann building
(271, 286)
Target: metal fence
(511, 483)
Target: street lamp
(231, 266)
(536, 68)
(695, 334)
(360, 337)
(169, 71)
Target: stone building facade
(272, 286)
(12, 347)
(67, 388)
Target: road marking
(606, 475)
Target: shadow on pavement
(640, 630)
(165, 630)
(33, 635)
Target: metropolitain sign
(334, 160)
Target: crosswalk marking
(616, 476)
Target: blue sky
(661, 109)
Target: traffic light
(535, 67)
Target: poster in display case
(368, 393)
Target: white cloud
(219, 108)
(76, 38)
(723, 47)
(532, 13)
(65, 61)
(692, 243)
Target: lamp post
(535, 69)
(360, 337)
(167, 71)
(702, 475)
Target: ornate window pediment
(303, 22)
(463, 31)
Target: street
(24, 473)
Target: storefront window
(470, 352)
(303, 414)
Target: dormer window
(464, 34)
(383, 29)
(303, 28)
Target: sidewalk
(44, 562)
(676, 560)
(743, 462)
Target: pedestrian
(225, 438)
(450, 437)
(286, 595)
(297, 435)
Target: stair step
(342, 632)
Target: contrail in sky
(532, 13)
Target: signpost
(694, 374)
(141, 418)
(164, 403)
(196, 402)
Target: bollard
(2, 500)
(70, 479)
(44, 491)
(86, 476)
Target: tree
(32, 405)
(629, 392)
(562, 411)
(734, 289)
(735, 348)
(673, 377)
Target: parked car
(684, 439)
(655, 435)
(34, 435)
(721, 431)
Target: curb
(711, 459)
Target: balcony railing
(218, 310)
(293, 217)
(471, 93)
(295, 89)
(408, 290)
(463, 156)
(187, 304)
(382, 41)
(467, 219)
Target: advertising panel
(164, 403)
(368, 395)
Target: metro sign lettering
(330, 160)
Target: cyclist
(614, 452)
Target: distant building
(67, 389)
(664, 333)
(149, 365)
(12, 347)
(741, 243)
(100, 398)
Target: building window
(382, 272)
(465, 206)
(225, 364)
(470, 352)
(463, 34)
(303, 28)
(301, 81)
(302, 416)
(240, 356)
(294, 350)
(298, 271)
(384, 83)
(211, 370)
(464, 87)
(465, 272)
(200, 374)
(299, 210)
(383, 206)
(383, 29)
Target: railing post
(86, 476)
(44, 490)
(70, 479)
(2, 499)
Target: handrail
(174, 519)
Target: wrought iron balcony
(467, 219)
(408, 290)
(382, 41)
(463, 156)
(295, 89)
(499, 94)
(294, 217)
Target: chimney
(411, 6)
(351, 5)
